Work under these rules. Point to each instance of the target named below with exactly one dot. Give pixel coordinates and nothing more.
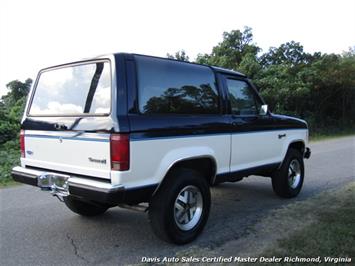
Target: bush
(9, 157)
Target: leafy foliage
(11, 109)
(9, 157)
(230, 52)
(317, 87)
(198, 100)
(179, 55)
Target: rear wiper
(78, 133)
(93, 86)
(76, 122)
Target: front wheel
(287, 181)
(179, 210)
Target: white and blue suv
(127, 129)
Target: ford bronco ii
(126, 130)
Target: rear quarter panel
(151, 159)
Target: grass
(331, 232)
(321, 226)
(331, 134)
(9, 183)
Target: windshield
(73, 90)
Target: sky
(35, 34)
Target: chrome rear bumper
(67, 184)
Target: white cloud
(55, 80)
(102, 110)
(56, 108)
(102, 100)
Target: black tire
(84, 208)
(285, 181)
(163, 212)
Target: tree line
(317, 87)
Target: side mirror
(264, 109)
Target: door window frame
(256, 95)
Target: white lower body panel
(84, 154)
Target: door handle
(282, 136)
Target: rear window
(73, 90)
(172, 87)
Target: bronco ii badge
(103, 161)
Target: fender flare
(288, 147)
(186, 155)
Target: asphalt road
(36, 229)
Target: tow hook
(57, 184)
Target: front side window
(242, 98)
(171, 87)
(73, 90)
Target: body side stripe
(67, 138)
(140, 136)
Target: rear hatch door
(68, 120)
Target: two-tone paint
(235, 145)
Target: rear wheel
(84, 208)
(287, 181)
(179, 210)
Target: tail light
(22, 143)
(119, 152)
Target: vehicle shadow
(54, 233)
(126, 235)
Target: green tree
(333, 89)
(290, 53)
(179, 55)
(11, 108)
(250, 65)
(317, 87)
(230, 52)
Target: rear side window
(82, 89)
(171, 87)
